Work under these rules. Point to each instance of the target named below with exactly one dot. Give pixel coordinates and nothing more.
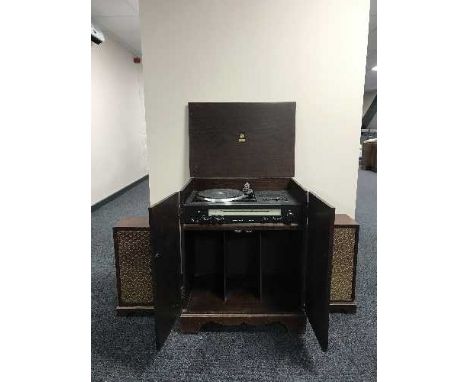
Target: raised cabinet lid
(242, 139)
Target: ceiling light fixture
(374, 68)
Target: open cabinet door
(165, 241)
(320, 228)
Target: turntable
(221, 195)
(231, 206)
(225, 195)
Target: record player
(242, 242)
(231, 206)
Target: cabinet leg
(294, 326)
(190, 326)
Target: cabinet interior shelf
(254, 272)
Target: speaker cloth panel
(134, 257)
(343, 264)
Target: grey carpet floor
(123, 349)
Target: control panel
(201, 215)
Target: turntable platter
(221, 195)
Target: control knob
(289, 218)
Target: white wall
(118, 147)
(309, 51)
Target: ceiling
(120, 20)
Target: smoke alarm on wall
(96, 35)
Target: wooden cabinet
(243, 274)
(239, 273)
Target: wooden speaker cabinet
(133, 265)
(132, 248)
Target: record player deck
(230, 206)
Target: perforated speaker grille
(134, 258)
(343, 264)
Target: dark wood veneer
(165, 240)
(343, 307)
(132, 222)
(318, 266)
(259, 184)
(214, 132)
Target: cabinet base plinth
(343, 307)
(191, 323)
(137, 310)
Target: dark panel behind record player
(242, 139)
